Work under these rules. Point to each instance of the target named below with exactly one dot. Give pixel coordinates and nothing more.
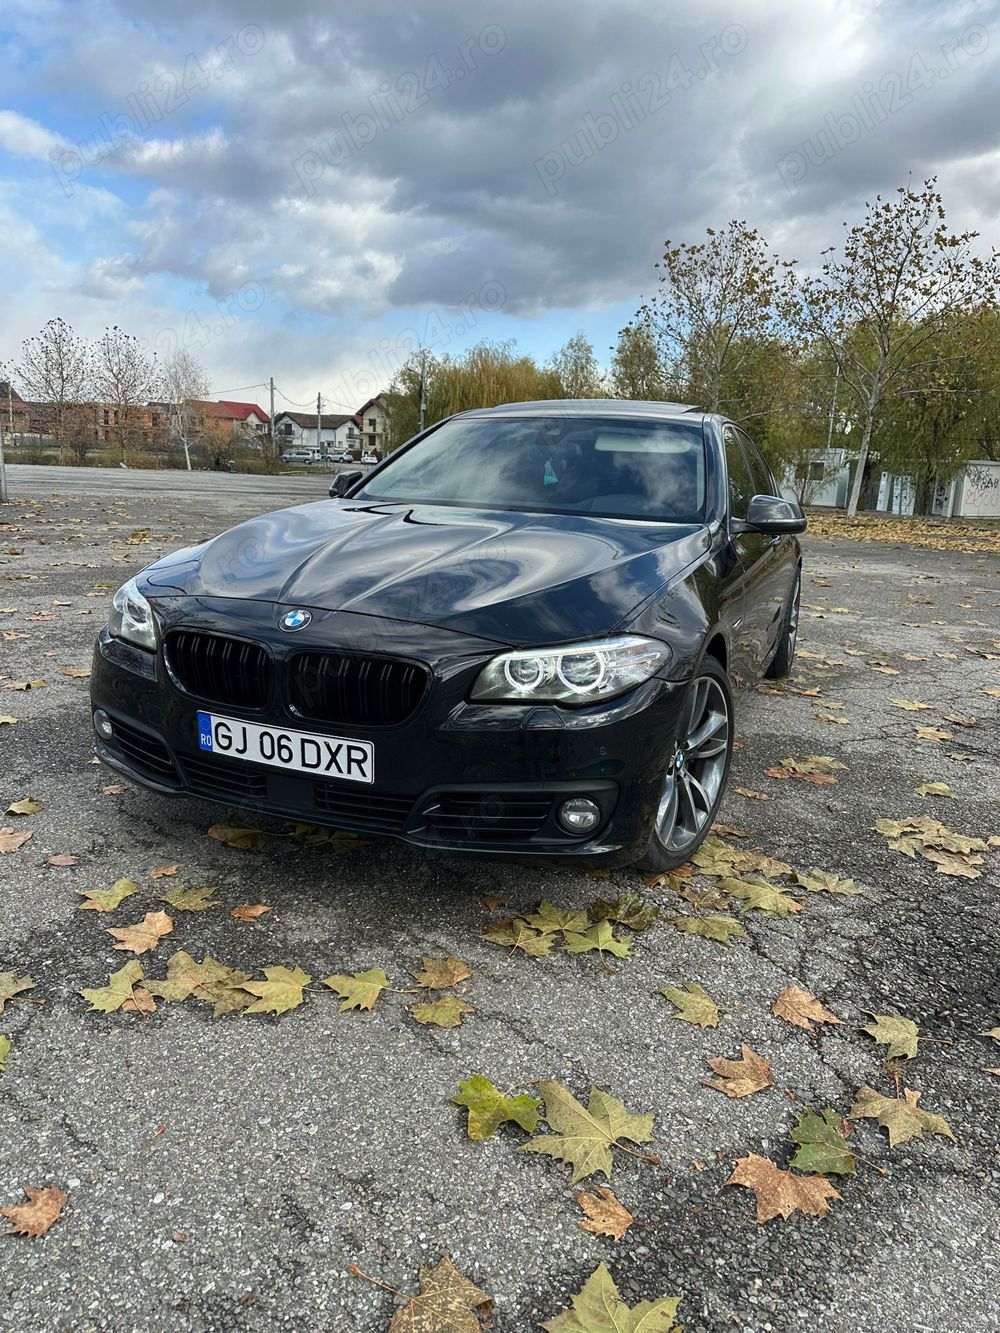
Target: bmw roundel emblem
(296, 620)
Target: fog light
(102, 725)
(579, 815)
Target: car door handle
(775, 541)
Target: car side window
(763, 482)
(741, 484)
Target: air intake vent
(222, 670)
(355, 691)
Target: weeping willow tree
(484, 376)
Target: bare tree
(184, 384)
(125, 380)
(715, 300)
(880, 307)
(55, 370)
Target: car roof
(589, 407)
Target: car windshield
(616, 467)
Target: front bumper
(456, 776)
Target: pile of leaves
(581, 930)
(945, 534)
(951, 853)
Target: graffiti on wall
(981, 492)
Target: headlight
(132, 617)
(577, 673)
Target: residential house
(245, 418)
(373, 417)
(298, 430)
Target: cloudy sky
(312, 188)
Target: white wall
(977, 491)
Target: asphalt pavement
(224, 1174)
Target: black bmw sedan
(517, 635)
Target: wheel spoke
(712, 723)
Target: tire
(695, 780)
(781, 663)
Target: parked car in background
(517, 635)
(300, 457)
(369, 459)
(341, 456)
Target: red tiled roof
(230, 411)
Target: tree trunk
(866, 435)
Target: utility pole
(274, 447)
(320, 442)
(3, 469)
(423, 395)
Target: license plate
(294, 751)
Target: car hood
(515, 578)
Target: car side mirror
(343, 482)
(772, 515)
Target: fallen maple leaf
(249, 912)
(13, 842)
(722, 929)
(910, 705)
(280, 992)
(61, 859)
(797, 1006)
(11, 984)
(825, 881)
(750, 794)
(598, 1308)
(145, 935)
(904, 1119)
(359, 990)
(815, 768)
(599, 936)
(190, 900)
(779, 1193)
(494, 904)
(75, 673)
(932, 734)
(934, 789)
(26, 685)
(445, 1012)
(584, 1137)
(5, 1048)
(30, 805)
(822, 1144)
(517, 934)
(628, 910)
(448, 1302)
(106, 900)
(35, 1217)
(164, 872)
(112, 789)
(606, 1216)
(694, 1005)
(740, 1078)
(549, 919)
(440, 973)
(488, 1108)
(898, 1034)
(760, 897)
(6, 720)
(106, 999)
(246, 839)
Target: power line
(221, 393)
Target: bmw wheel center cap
(296, 620)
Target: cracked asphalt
(225, 1174)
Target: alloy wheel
(697, 768)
